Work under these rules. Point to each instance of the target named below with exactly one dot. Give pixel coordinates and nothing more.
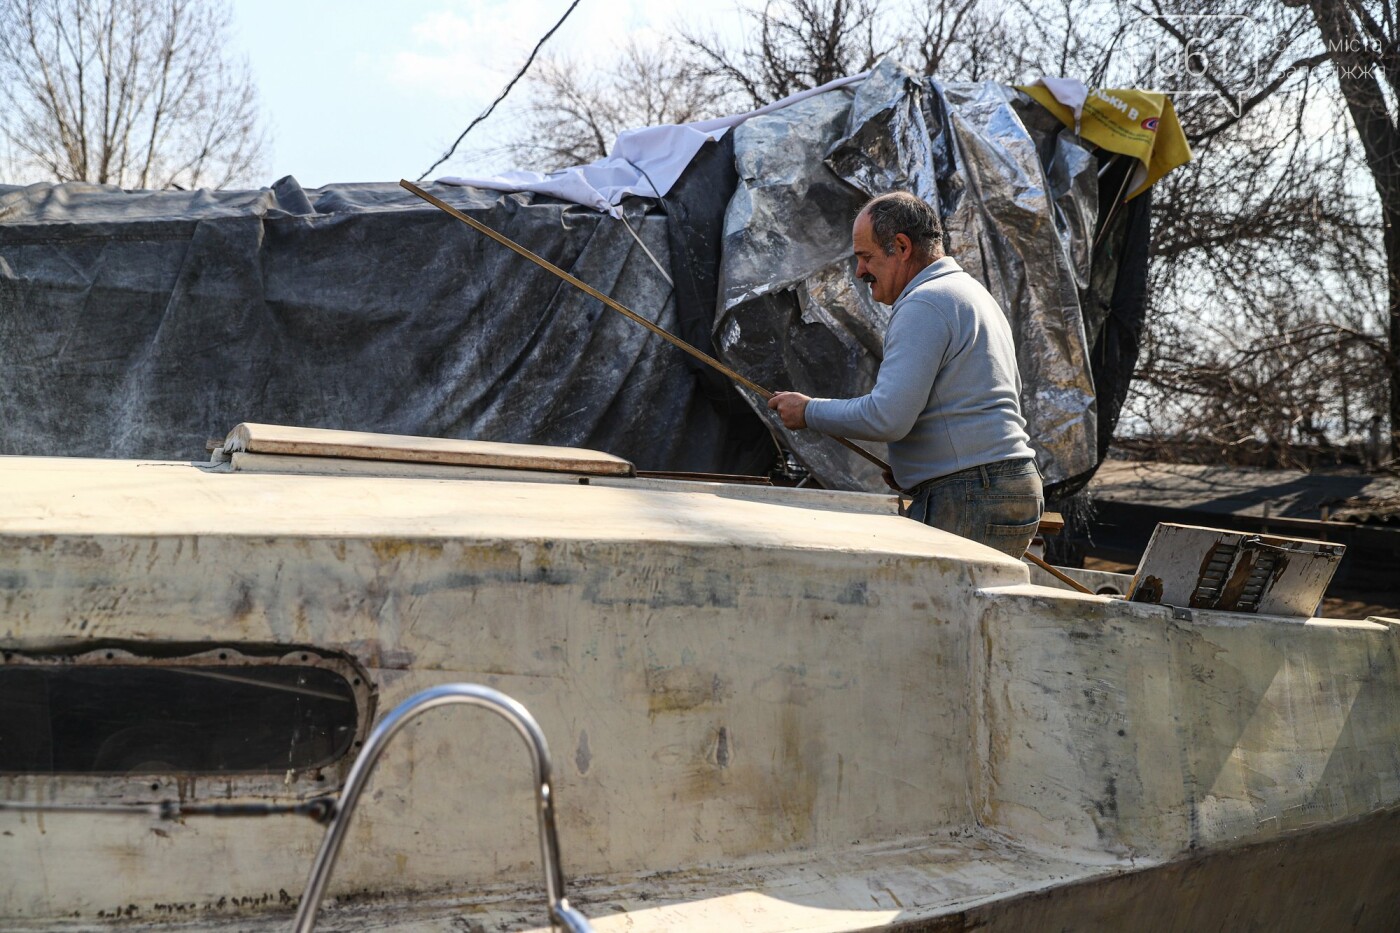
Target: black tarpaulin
(140, 324)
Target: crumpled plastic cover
(1018, 204)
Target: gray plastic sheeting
(1019, 206)
(141, 324)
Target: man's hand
(791, 407)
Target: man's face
(885, 274)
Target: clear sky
(356, 90)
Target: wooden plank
(240, 462)
(250, 437)
(731, 478)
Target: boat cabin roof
(446, 489)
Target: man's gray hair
(901, 212)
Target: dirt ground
(1339, 605)
(1360, 605)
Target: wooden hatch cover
(274, 439)
(1212, 568)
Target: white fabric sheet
(1069, 91)
(644, 162)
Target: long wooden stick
(1063, 578)
(661, 332)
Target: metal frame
(154, 788)
(561, 914)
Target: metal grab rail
(561, 914)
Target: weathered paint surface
(1115, 727)
(829, 707)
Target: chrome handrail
(561, 914)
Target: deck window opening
(154, 719)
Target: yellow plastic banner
(1139, 124)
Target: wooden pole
(1054, 572)
(631, 315)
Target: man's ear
(903, 246)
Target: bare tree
(1265, 276)
(1361, 38)
(136, 93)
(968, 41)
(938, 30)
(795, 45)
(575, 115)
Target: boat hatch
(279, 449)
(1210, 568)
(218, 713)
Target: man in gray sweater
(947, 397)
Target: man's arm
(915, 348)
(792, 408)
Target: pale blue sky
(368, 91)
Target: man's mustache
(868, 279)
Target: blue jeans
(998, 504)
